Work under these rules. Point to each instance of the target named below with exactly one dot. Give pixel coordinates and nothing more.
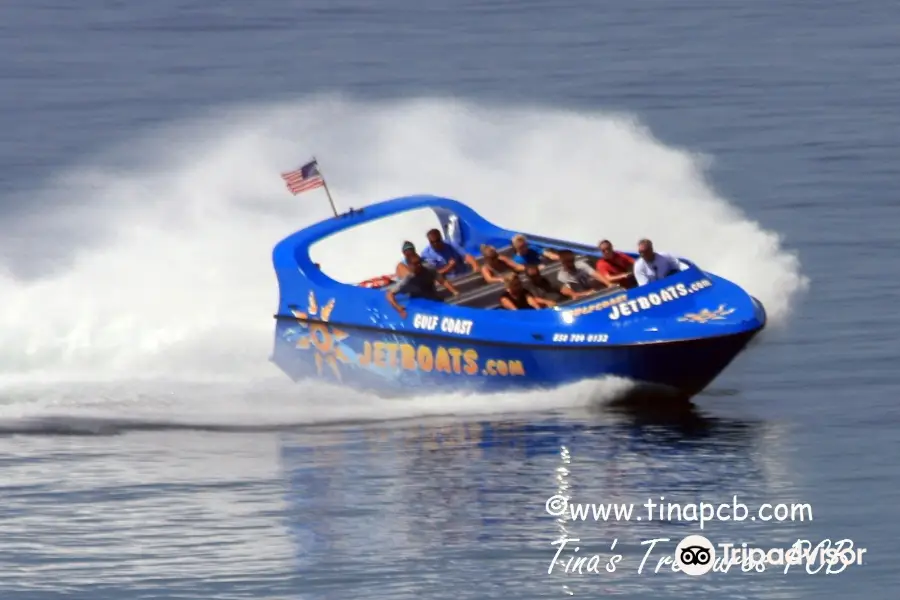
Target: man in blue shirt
(524, 255)
(448, 259)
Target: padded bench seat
(471, 281)
(476, 293)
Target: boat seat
(593, 297)
(506, 251)
(550, 272)
(476, 293)
(471, 281)
(489, 295)
(483, 298)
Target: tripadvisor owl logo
(694, 555)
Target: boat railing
(555, 244)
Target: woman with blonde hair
(494, 264)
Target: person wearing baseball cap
(408, 250)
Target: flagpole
(325, 185)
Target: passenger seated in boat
(418, 283)
(526, 255)
(617, 266)
(540, 286)
(408, 250)
(578, 278)
(446, 257)
(494, 264)
(516, 297)
(653, 266)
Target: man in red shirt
(617, 266)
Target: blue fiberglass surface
(653, 333)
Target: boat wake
(114, 408)
(151, 261)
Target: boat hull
(389, 364)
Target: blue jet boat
(680, 332)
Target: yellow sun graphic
(321, 337)
(706, 315)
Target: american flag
(303, 179)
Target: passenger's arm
(507, 303)
(446, 283)
(536, 302)
(446, 268)
(432, 260)
(601, 277)
(511, 263)
(568, 291)
(550, 254)
(392, 298)
(463, 256)
(488, 276)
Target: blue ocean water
(148, 448)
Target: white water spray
(157, 260)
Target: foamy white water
(158, 264)
(259, 405)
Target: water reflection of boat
(532, 438)
(467, 482)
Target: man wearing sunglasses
(618, 266)
(653, 266)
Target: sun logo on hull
(706, 315)
(321, 337)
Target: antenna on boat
(308, 177)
